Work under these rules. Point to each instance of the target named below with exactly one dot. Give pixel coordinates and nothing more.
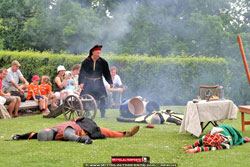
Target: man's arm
(15, 85)
(106, 73)
(33, 95)
(3, 94)
(114, 89)
(10, 79)
(24, 80)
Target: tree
(64, 26)
(14, 14)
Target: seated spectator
(46, 90)
(34, 94)
(60, 82)
(69, 88)
(11, 82)
(75, 74)
(114, 94)
(12, 101)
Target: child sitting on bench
(34, 94)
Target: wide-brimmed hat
(60, 68)
(155, 119)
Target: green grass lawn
(162, 144)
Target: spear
(244, 58)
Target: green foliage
(131, 27)
(35, 63)
(14, 14)
(162, 144)
(173, 80)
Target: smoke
(166, 27)
(117, 25)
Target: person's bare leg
(11, 107)
(53, 102)
(46, 105)
(53, 97)
(42, 104)
(46, 102)
(18, 102)
(61, 96)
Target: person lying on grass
(156, 117)
(221, 137)
(81, 130)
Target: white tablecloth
(204, 111)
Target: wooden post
(244, 58)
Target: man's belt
(93, 79)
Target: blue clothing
(70, 85)
(37, 97)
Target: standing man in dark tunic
(90, 77)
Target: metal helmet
(156, 119)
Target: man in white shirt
(114, 94)
(12, 101)
(75, 72)
(11, 82)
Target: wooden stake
(244, 58)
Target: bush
(168, 81)
(36, 63)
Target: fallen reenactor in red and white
(81, 130)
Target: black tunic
(92, 77)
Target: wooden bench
(244, 110)
(29, 107)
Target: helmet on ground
(156, 119)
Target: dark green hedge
(168, 81)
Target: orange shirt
(45, 89)
(34, 88)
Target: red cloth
(150, 126)
(97, 49)
(111, 134)
(1, 83)
(213, 140)
(61, 127)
